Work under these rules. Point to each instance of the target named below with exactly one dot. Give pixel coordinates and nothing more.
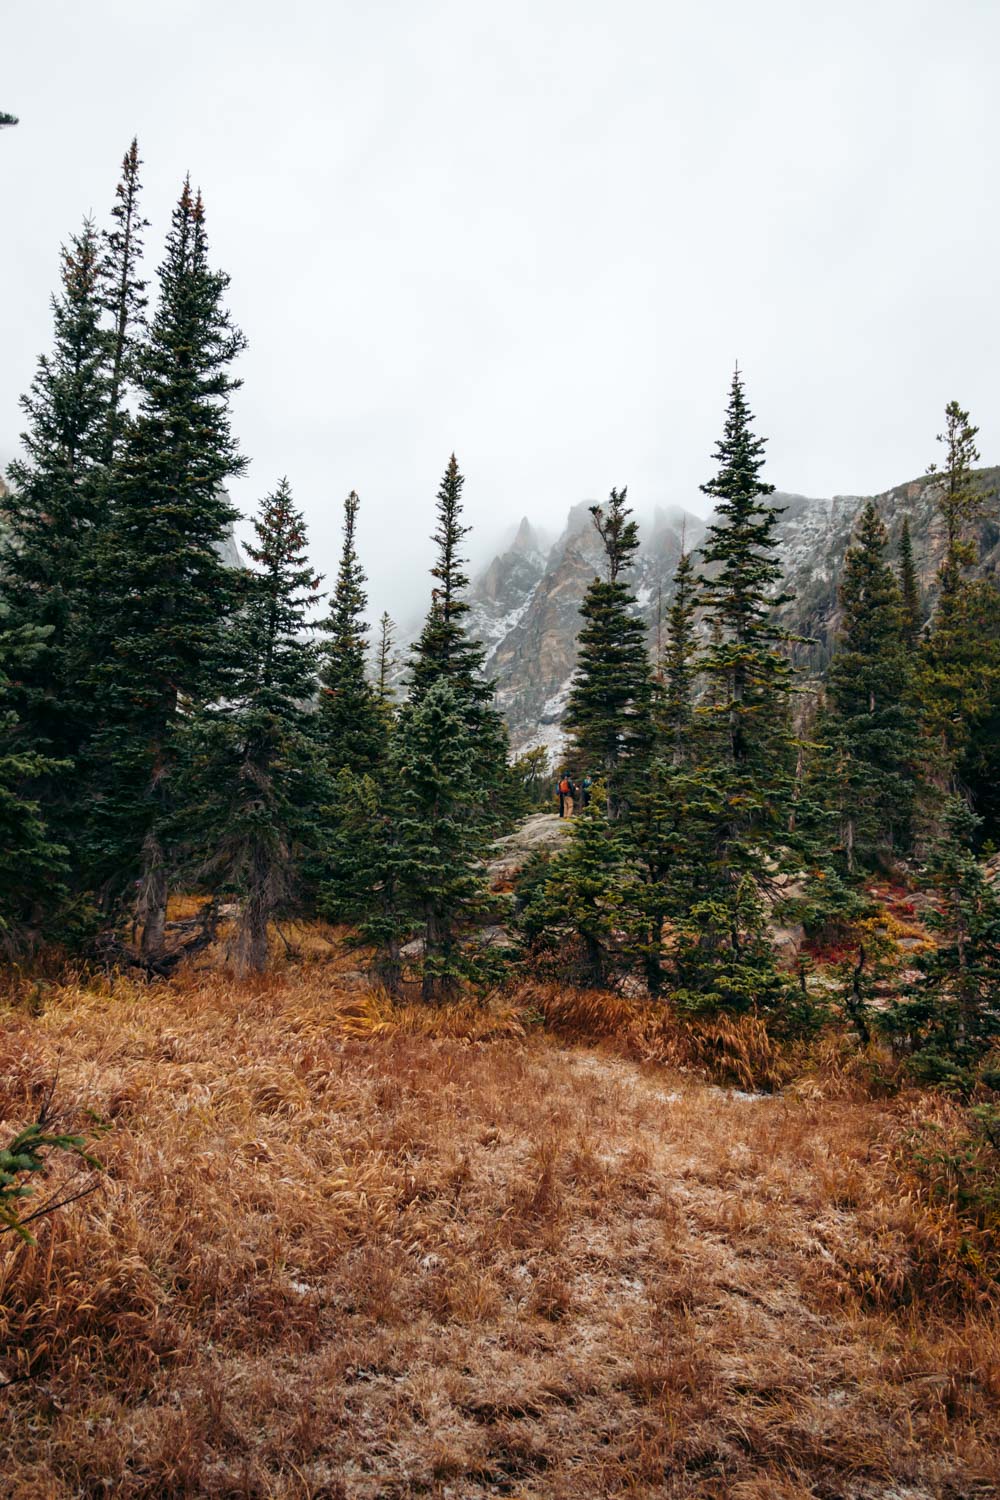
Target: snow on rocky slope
(525, 605)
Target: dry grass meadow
(344, 1251)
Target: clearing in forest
(341, 1253)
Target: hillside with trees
(374, 1130)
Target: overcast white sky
(537, 232)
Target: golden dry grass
(348, 1250)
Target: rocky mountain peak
(526, 606)
(526, 540)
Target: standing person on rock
(565, 790)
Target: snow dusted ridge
(525, 605)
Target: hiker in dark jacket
(565, 790)
(585, 786)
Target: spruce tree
(746, 708)
(958, 677)
(166, 597)
(739, 799)
(869, 723)
(445, 652)
(7, 119)
(407, 850)
(385, 659)
(959, 499)
(610, 703)
(123, 289)
(366, 864)
(592, 895)
(350, 723)
(948, 1020)
(252, 778)
(444, 649)
(660, 821)
(677, 667)
(748, 671)
(436, 765)
(32, 861)
(55, 511)
(910, 588)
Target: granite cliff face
(530, 629)
(525, 605)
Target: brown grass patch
(736, 1050)
(345, 1249)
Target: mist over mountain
(525, 603)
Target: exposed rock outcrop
(542, 833)
(526, 604)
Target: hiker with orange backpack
(565, 791)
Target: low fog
(537, 235)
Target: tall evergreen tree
(123, 289)
(593, 894)
(166, 596)
(364, 882)
(739, 799)
(444, 649)
(56, 506)
(253, 773)
(871, 727)
(750, 673)
(445, 652)
(665, 806)
(909, 588)
(610, 703)
(958, 677)
(959, 500)
(349, 721)
(32, 862)
(948, 1020)
(385, 658)
(436, 763)
(407, 853)
(677, 667)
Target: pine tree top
(123, 289)
(869, 663)
(277, 663)
(608, 712)
(345, 624)
(186, 381)
(742, 540)
(54, 497)
(909, 586)
(352, 723)
(444, 649)
(677, 669)
(167, 592)
(960, 500)
(619, 534)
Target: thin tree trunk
(252, 941)
(595, 960)
(151, 909)
(428, 986)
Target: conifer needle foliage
(609, 708)
(172, 721)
